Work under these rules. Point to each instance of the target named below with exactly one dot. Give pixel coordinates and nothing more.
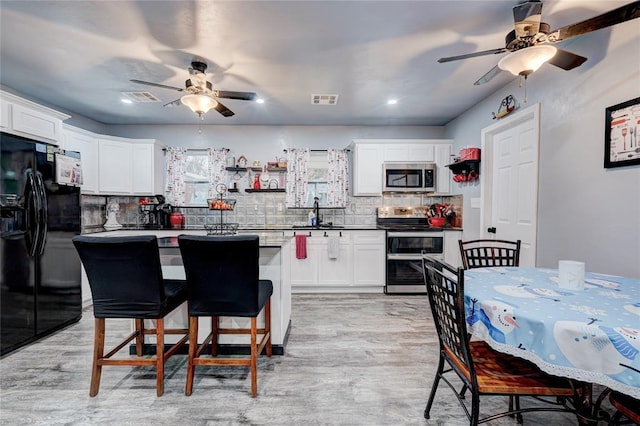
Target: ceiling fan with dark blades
(200, 96)
(534, 37)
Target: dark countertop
(265, 241)
(267, 228)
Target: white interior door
(510, 181)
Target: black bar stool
(222, 281)
(126, 282)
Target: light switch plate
(475, 203)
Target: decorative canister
(177, 220)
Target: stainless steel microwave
(401, 176)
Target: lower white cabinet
(369, 258)
(452, 248)
(358, 265)
(337, 271)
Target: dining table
(590, 334)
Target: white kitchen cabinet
(5, 114)
(408, 152)
(359, 266)
(115, 173)
(25, 118)
(369, 258)
(442, 158)
(145, 162)
(395, 152)
(86, 143)
(369, 154)
(452, 248)
(128, 166)
(367, 169)
(304, 272)
(335, 272)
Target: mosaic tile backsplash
(253, 210)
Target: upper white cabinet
(26, 118)
(367, 169)
(115, 166)
(5, 111)
(127, 166)
(147, 159)
(369, 154)
(86, 143)
(442, 158)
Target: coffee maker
(156, 215)
(162, 213)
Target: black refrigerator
(40, 279)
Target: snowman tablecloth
(591, 335)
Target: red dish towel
(301, 246)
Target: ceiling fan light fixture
(527, 60)
(199, 104)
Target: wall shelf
(256, 169)
(465, 167)
(265, 190)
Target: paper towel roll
(571, 274)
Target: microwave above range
(402, 176)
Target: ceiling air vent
(141, 96)
(324, 99)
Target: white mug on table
(571, 274)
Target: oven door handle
(427, 234)
(394, 256)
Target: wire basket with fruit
(221, 204)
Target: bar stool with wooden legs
(223, 281)
(126, 281)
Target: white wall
(264, 143)
(585, 212)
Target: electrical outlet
(255, 207)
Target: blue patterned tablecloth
(591, 335)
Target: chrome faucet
(316, 211)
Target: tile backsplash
(258, 210)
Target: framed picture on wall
(621, 138)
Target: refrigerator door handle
(44, 213)
(33, 212)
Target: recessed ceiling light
(126, 101)
(260, 100)
(392, 101)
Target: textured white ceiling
(80, 56)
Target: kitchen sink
(322, 226)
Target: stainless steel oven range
(408, 235)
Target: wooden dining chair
(485, 253)
(482, 370)
(626, 407)
(126, 281)
(222, 281)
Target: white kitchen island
(274, 265)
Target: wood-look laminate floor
(350, 360)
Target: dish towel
(334, 247)
(301, 246)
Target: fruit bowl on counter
(222, 229)
(221, 204)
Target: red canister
(177, 220)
